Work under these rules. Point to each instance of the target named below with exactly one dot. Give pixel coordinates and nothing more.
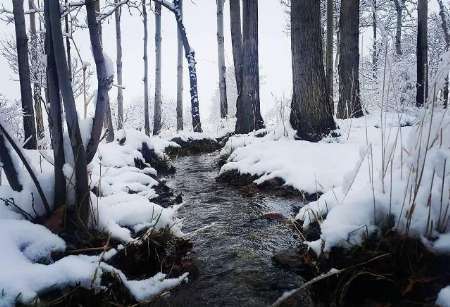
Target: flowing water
(233, 244)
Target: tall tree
(158, 102)
(26, 95)
(311, 114)
(248, 104)
(117, 16)
(422, 52)
(221, 60)
(34, 57)
(399, 4)
(443, 13)
(180, 74)
(82, 212)
(374, 33)
(236, 40)
(55, 119)
(146, 114)
(349, 99)
(329, 51)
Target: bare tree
(311, 114)
(221, 60)
(329, 51)
(443, 13)
(248, 113)
(180, 75)
(349, 99)
(117, 15)
(399, 5)
(146, 114)
(158, 102)
(236, 40)
(422, 53)
(29, 126)
(34, 57)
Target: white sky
(200, 21)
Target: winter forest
(224, 153)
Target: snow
(443, 299)
(363, 175)
(27, 267)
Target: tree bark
(329, 51)
(374, 46)
(117, 15)
(36, 84)
(349, 100)
(55, 119)
(399, 25)
(422, 53)
(158, 102)
(443, 13)
(248, 105)
(236, 41)
(221, 61)
(146, 114)
(29, 126)
(68, 47)
(311, 112)
(8, 165)
(103, 80)
(79, 154)
(180, 75)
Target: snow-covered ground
(26, 266)
(385, 164)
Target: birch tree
(180, 74)
(158, 102)
(221, 60)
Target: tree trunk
(221, 61)
(158, 102)
(8, 165)
(79, 154)
(68, 49)
(146, 114)
(374, 46)
(422, 53)
(329, 51)
(55, 120)
(190, 57)
(248, 105)
(444, 13)
(399, 26)
(236, 41)
(103, 80)
(29, 126)
(311, 114)
(117, 15)
(34, 55)
(349, 100)
(180, 75)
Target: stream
(233, 244)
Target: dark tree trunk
(146, 114)
(236, 40)
(399, 25)
(311, 114)
(444, 13)
(117, 15)
(221, 61)
(180, 75)
(55, 119)
(68, 47)
(158, 102)
(26, 95)
(374, 46)
(329, 51)
(34, 56)
(422, 53)
(248, 105)
(349, 100)
(8, 165)
(103, 80)
(79, 154)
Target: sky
(200, 22)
